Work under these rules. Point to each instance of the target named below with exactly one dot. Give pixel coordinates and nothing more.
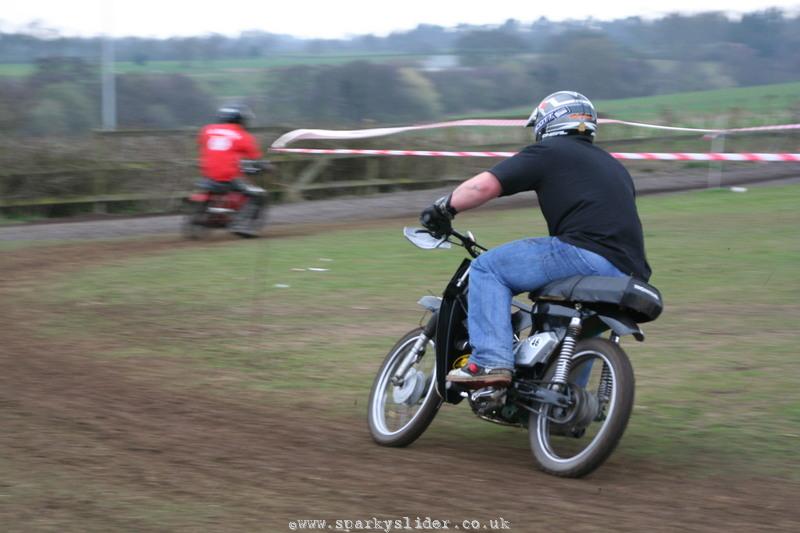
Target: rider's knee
(483, 263)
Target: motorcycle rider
(223, 145)
(588, 201)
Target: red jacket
(222, 146)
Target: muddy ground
(89, 444)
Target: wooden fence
(152, 171)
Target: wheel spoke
(583, 422)
(577, 441)
(399, 406)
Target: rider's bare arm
(475, 191)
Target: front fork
(416, 352)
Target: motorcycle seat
(214, 187)
(640, 300)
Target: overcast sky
(326, 18)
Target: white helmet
(563, 113)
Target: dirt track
(390, 205)
(124, 437)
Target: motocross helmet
(235, 114)
(563, 113)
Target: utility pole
(109, 96)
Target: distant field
(15, 70)
(217, 67)
(717, 377)
(734, 107)
(231, 77)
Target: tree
(760, 31)
(14, 102)
(488, 88)
(486, 47)
(590, 63)
(161, 101)
(61, 109)
(350, 93)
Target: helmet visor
(532, 118)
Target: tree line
(770, 34)
(495, 68)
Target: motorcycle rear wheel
(575, 450)
(195, 221)
(397, 416)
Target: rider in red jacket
(222, 147)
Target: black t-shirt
(587, 198)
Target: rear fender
(622, 325)
(235, 200)
(199, 197)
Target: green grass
(752, 101)
(231, 77)
(10, 246)
(717, 378)
(16, 70)
(721, 108)
(218, 67)
(276, 61)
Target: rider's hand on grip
(252, 166)
(266, 166)
(437, 217)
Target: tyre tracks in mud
(90, 444)
(124, 436)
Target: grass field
(717, 378)
(721, 108)
(226, 78)
(230, 77)
(225, 67)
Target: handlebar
(252, 166)
(468, 242)
(423, 238)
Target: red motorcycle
(219, 205)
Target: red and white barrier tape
(303, 134)
(619, 155)
(713, 156)
(423, 153)
(774, 127)
(315, 134)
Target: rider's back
(587, 198)
(222, 147)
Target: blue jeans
(513, 268)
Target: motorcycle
(216, 204)
(572, 389)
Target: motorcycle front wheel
(402, 407)
(574, 442)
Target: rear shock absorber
(564, 363)
(606, 384)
